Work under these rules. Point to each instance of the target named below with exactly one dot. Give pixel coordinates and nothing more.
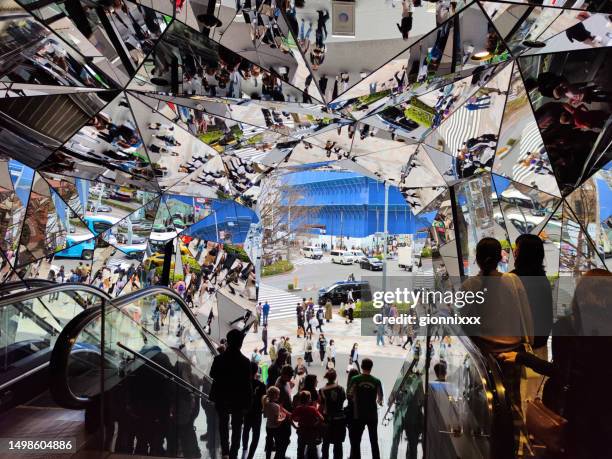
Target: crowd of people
(475, 154)
(523, 298)
(320, 414)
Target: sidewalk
(344, 336)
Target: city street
(315, 274)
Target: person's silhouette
(231, 391)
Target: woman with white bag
(354, 359)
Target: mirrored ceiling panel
(571, 96)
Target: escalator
(32, 315)
(121, 382)
(125, 383)
(460, 411)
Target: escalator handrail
(60, 356)
(43, 288)
(21, 285)
(167, 373)
(15, 299)
(393, 395)
(39, 288)
(53, 288)
(501, 409)
(124, 300)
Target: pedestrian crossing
(251, 154)
(424, 278)
(460, 127)
(282, 303)
(309, 261)
(530, 141)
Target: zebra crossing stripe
(282, 304)
(424, 278)
(530, 141)
(461, 126)
(251, 154)
(308, 261)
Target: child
(275, 415)
(309, 421)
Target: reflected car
(157, 259)
(83, 245)
(371, 264)
(142, 226)
(121, 197)
(122, 238)
(133, 251)
(160, 228)
(396, 117)
(178, 223)
(101, 208)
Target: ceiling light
(481, 55)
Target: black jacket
(231, 374)
(539, 293)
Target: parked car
(101, 208)
(142, 226)
(358, 256)
(371, 264)
(343, 257)
(311, 252)
(338, 292)
(122, 238)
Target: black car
(338, 292)
(371, 264)
(397, 117)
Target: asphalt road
(315, 274)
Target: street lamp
(385, 229)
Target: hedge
(195, 268)
(237, 251)
(278, 267)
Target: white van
(343, 257)
(404, 257)
(358, 255)
(311, 252)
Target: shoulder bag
(544, 425)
